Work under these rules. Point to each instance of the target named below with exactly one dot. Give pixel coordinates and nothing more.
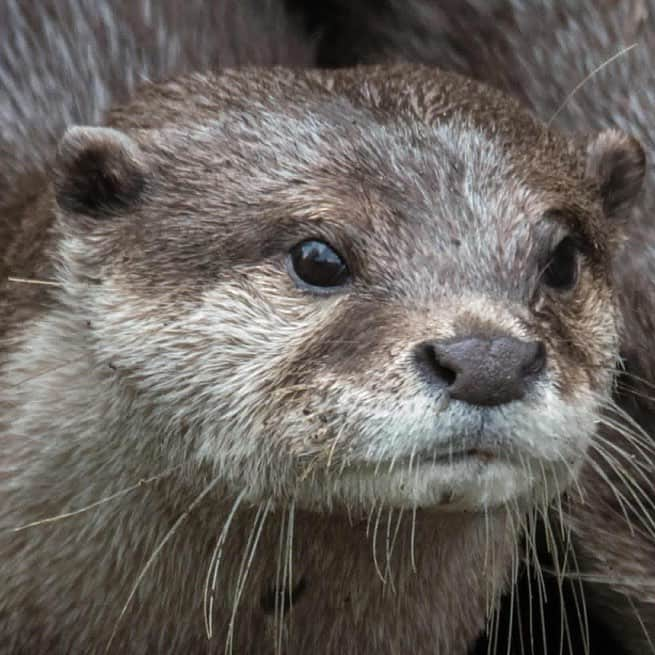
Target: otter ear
(98, 172)
(617, 163)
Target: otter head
(319, 299)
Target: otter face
(321, 306)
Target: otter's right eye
(317, 264)
(562, 270)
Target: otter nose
(482, 371)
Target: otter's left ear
(617, 163)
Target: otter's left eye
(562, 270)
(317, 264)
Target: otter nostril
(535, 359)
(431, 366)
(482, 371)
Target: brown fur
(233, 169)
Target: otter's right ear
(617, 163)
(99, 171)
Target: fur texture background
(65, 62)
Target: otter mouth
(473, 456)
(456, 456)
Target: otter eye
(562, 270)
(317, 264)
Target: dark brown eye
(562, 270)
(317, 264)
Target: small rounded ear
(617, 163)
(98, 171)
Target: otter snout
(482, 371)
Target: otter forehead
(410, 165)
(395, 198)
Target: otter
(28, 201)
(327, 338)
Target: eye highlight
(315, 264)
(561, 273)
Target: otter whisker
(638, 583)
(246, 563)
(583, 615)
(517, 560)
(622, 386)
(333, 446)
(45, 371)
(124, 492)
(493, 609)
(641, 622)
(530, 599)
(392, 463)
(388, 544)
(214, 565)
(412, 457)
(292, 518)
(277, 613)
(625, 373)
(376, 564)
(310, 468)
(625, 474)
(590, 76)
(519, 619)
(287, 582)
(396, 531)
(565, 631)
(637, 434)
(564, 529)
(527, 556)
(630, 460)
(525, 563)
(630, 485)
(617, 493)
(47, 283)
(413, 521)
(489, 629)
(541, 583)
(369, 519)
(495, 631)
(167, 537)
(641, 443)
(412, 540)
(573, 477)
(544, 477)
(485, 561)
(514, 568)
(376, 470)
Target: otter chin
(288, 310)
(476, 464)
(470, 483)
